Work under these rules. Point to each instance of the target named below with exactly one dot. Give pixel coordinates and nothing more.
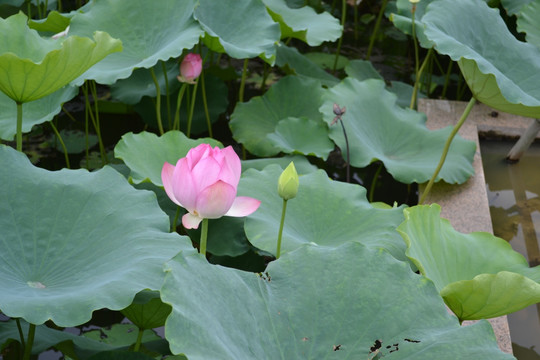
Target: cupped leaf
(292, 96)
(74, 242)
(150, 31)
(145, 153)
(501, 71)
(527, 22)
(324, 212)
(54, 23)
(302, 136)
(34, 112)
(478, 274)
(32, 67)
(377, 128)
(304, 23)
(254, 32)
(147, 310)
(348, 302)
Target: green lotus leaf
(302, 65)
(147, 310)
(122, 355)
(377, 128)
(120, 335)
(326, 60)
(302, 165)
(74, 140)
(32, 67)
(478, 274)
(348, 302)
(304, 23)
(402, 19)
(325, 212)
(150, 31)
(54, 23)
(513, 7)
(74, 242)
(501, 71)
(527, 22)
(34, 112)
(254, 32)
(313, 140)
(145, 153)
(292, 96)
(140, 83)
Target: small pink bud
(190, 68)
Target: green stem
(376, 29)
(348, 151)
(192, 108)
(205, 103)
(447, 78)
(340, 41)
(21, 335)
(60, 8)
(417, 80)
(284, 209)
(93, 89)
(374, 182)
(175, 221)
(446, 148)
(243, 81)
(137, 345)
(158, 102)
(19, 126)
(86, 142)
(66, 156)
(416, 57)
(29, 342)
(167, 92)
(204, 237)
(176, 124)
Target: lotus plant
(205, 183)
(190, 69)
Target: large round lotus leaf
(292, 96)
(377, 128)
(314, 140)
(478, 274)
(304, 23)
(291, 59)
(241, 28)
(527, 22)
(34, 112)
(150, 31)
(32, 67)
(501, 71)
(74, 242)
(348, 302)
(324, 212)
(145, 153)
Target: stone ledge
(466, 206)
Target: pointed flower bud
(190, 68)
(288, 183)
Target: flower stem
(29, 342)
(243, 81)
(192, 108)
(176, 124)
(19, 126)
(158, 102)
(446, 148)
(418, 76)
(348, 151)
(167, 92)
(284, 209)
(173, 225)
(204, 237)
(205, 103)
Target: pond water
(514, 199)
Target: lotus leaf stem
(176, 124)
(416, 59)
(66, 156)
(205, 103)
(376, 29)
(167, 93)
(418, 76)
(447, 79)
(340, 41)
(446, 148)
(243, 81)
(374, 182)
(21, 335)
(192, 108)
(29, 342)
(158, 102)
(175, 221)
(280, 234)
(204, 237)
(137, 345)
(19, 126)
(93, 89)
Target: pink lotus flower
(205, 184)
(190, 68)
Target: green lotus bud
(288, 183)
